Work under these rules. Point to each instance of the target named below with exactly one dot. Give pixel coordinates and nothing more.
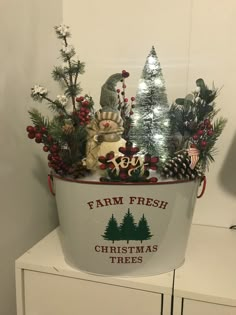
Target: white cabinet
(191, 307)
(46, 285)
(205, 284)
(49, 294)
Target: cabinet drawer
(48, 294)
(191, 307)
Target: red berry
(102, 166)
(123, 176)
(206, 122)
(37, 140)
(134, 150)
(43, 129)
(45, 148)
(201, 126)
(102, 159)
(124, 86)
(132, 98)
(35, 129)
(38, 136)
(126, 100)
(122, 149)
(31, 135)
(131, 112)
(153, 179)
(85, 103)
(118, 90)
(49, 138)
(30, 129)
(54, 159)
(110, 156)
(79, 99)
(49, 157)
(200, 132)
(125, 74)
(209, 126)
(195, 137)
(203, 144)
(154, 159)
(54, 148)
(210, 132)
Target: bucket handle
(203, 187)
(50, 184)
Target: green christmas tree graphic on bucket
(128, 230)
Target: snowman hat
(114, 116)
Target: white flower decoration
(62, 99)
(68, 49)
(63, 30)
(38, 90)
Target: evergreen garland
(64, 136)
(192, 123)
(167, 134)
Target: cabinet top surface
(47, 256)
(209, 271)
(208, 274)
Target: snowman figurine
(105, 130)
(104, 136)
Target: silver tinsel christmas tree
(151, 129)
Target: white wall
(28, 212)
(193, 38)
(212, 56)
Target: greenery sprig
(64, 136)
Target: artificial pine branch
(79, 69)
(38, 119)
(71, 91)
(58, 74)
(56, 106)
(207, 155)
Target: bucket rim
(94, 182)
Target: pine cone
(78, 170)
(68, 129)
(179, 168)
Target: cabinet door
(191, 307)
(47, 294)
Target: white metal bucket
(125, 229)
